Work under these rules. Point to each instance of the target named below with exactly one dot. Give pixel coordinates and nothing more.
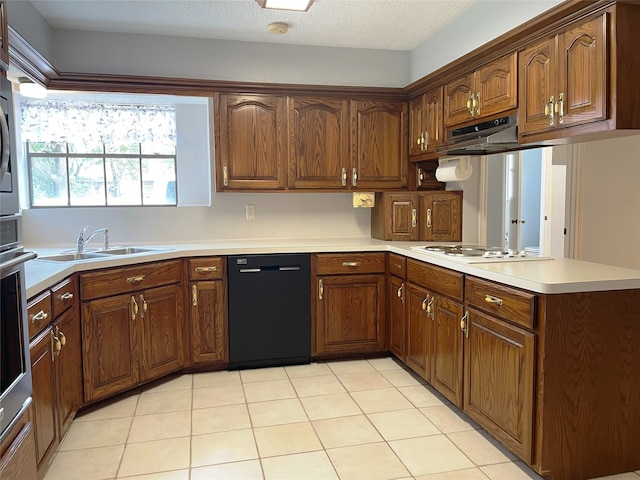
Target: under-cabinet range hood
(491, 136)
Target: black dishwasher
(269, 310)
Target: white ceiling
(375, 24)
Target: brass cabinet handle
(428, 218)
(320, 289)
(470, 103)
(414, 220)
(549, 110)
(63, 338)
(343, 177)
(560, 106)
(401, 292)
(354, 177)
(136, 279)
(424, 304)
(420, 177)
(430, 308)
(351, 264)
(194, 295)
(491, 299)
(134, 307)
(206, 269)
(476, 104)
(55, 343)
(464, 324)
(225, 176)
(38, 317)
(66, 296)
(144, 305)
(425, 140)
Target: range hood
(491, 136)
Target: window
(97, 154)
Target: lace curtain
(96, 123)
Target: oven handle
(25, 257)
(6, 144)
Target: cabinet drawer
(397, 265)
(331, 264)
(436, 279)
(40, 312)
(513, 305)
(122, 280)
(63, 295)
(205, 268)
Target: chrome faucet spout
(83, 241)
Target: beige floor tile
(448, 420)
(181, 382)
(373, 461)
(403, 424)
(160, 425)
(263, 374)
(219, 419)
(481, 448)
(218, 396)
(162, 402)
(469, 474)
(286, 439)
(330, 406)
(385, 400)
(307, 466)
(356, 382)
(320, 385)
(510, 471)
(99, 433)
(271, 390)
(223, 447)
(172, 475)
(124, 407)
(277, 412)
(92, 463)
(341, 432)
(422, 396)
(309, 370)
(350, 366)
(215, 379)
(383, 364)
(247, 470)
(401, 378)
(155, 456)
(433, 454)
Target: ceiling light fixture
(31, 89)
(278, 28)
(297, 5)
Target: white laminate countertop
(542, 276)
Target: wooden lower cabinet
(419, 332)
(499, 382)
(447, 358)
(396, 316)
(18, 451)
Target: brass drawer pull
(136, 279)
(134, 308)
(492, 299)
(206, 269)
(194, 295)
(66, 296)
(320, 289)
(464, 324)
(351, 264)
(38, 317)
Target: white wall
(28, 22)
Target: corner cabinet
(396, 305)
(426, 129)
(250, 142)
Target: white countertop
(542, 276)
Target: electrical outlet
(251, 211)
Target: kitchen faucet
(82, 241)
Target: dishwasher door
(269, 310)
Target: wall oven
(9, 201)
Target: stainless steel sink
(127, 250)
(71, 257)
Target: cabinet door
(44, 395)
(446, 366)
(397, 317)
(498, 385)
(208, 322)
(68, 368)
(583, 73)
(496, 86)
(110, 346)
(417, 125)
(537, 86)
(162, 334)
(318, 143)
(251, 151)
(379, 149)
(419, 332)
(349, 314)
(18, 461)
(440, 216)
(457, 95)
(434, 122)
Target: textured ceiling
(376, 24)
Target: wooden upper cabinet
(250, 142)
(425, 123)
(378, 146)
(4, 36)
(489, 90)
(563, 79)
(318, 143)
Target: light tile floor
(358, 419)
